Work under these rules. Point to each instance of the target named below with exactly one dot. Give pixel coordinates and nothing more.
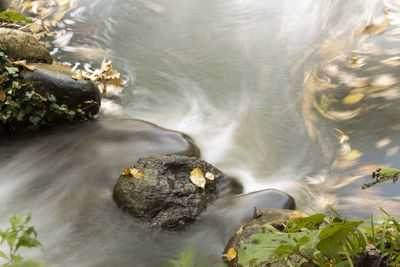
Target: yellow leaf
(77, 76)
(230, 254)
(353, 155)
(197, 178)
(127, 172)
(133, 172)
(353, 98)
(386, 11)
(23, 64)
(297, 214)
(210, 176)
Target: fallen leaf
(127, 172)
(353, 98)
(210, 176)
(23, 64)
(2, 95)
(386, 11)
(352, 155)
(376, 29)
(77, 76)
(133, 172)
(230, 254)
(197, 178)
(136, 173)
(297, 214)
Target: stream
(249, 81)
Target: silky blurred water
(232, 75)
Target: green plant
(381, 175)
(323, 240)
(8, 17)
(18, 235)
(20, 104)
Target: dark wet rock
(371, 257)
(165, 197)
(21, 45)
(275, 217)
(57, 80)
(232, 212)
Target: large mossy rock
(21, 45)
(165, 197)
(57, 80)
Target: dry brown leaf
(197, 178)
(210, 176)
(2, 95)
(376, 29)
(297, 214)
(230, 254)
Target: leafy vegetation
(19, 235)
(20, 104)
(11, 17)
(383, 174)
(324, 240)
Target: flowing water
(252, 82)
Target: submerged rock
(57, 80)
(165, 197)
(21, 45)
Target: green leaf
(263, 246)
(11, 238)
(310, 222)
(14, 17)
(332, 237)
(12, 70)
(3, 255)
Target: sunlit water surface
(241, 78)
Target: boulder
(236, 210)
(57, 80)
(165, 197)
(275, 217)
(21, 45)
